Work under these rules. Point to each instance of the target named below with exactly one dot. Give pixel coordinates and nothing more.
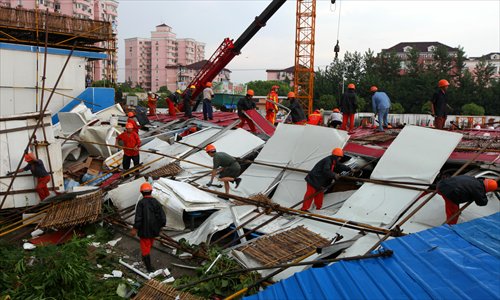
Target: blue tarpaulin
(457, 262)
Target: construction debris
(153, 289)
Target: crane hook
(336, 49)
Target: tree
(164, 90)
(325, 101)
(426, 108)
(397, 108)
(262, 87)
(484, 71)
(442, 61)
(459, 63)
(472, 109)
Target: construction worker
(462, 189)
(315, 118)
(271, 107)
(381, 105)
(130, 139)
(39, 172)
(152, 102)
(149, 219)
(348, 106)
(439, 104)
(226, 166)
(246, 103)
(296, 112)
(172, 100)
(335, 118)
(208, 95)
(321, 176)
(187, 101)
(131, 120)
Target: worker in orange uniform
(246, 103)
(348, 106)
(461, 189)
(172, 100)
(131, 120)
(39, 172)
(149, 219)
(130, 139)
(152, 102)
(296, 112)
(439, 104)
(271, 107)
(321, 176)
(315, 118)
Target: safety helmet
(150, 92)
(210, 148)
(146, 187)
(336, 110)
(209, 84)
(373, 89)
(29, 157)
(291, 95)
(490, 185)
(193, 129)
(130, 114)
(129, 126)
(250, 92)
(443, 83)
(351, 86)
(275, 87)
(338, 152)
(317, 111)
(192, 87)
(178, 91)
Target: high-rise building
(159, 60)
(100, 10)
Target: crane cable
(336, 49)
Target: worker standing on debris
(208, 95)
(381, 105)
(296, 112)
(315, 118)
(187, 101)
(226, 166)
(172, 100)
(130, 120)
(130, 139)
(152, 102)
(462, 189)
(335, 118)
(439, 103)
(149, 219)
(271, 107)
(348, 106)
(39, 172)
(320, 177)
(246, 103)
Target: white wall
(18, 77)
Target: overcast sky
(474, 25)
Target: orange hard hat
(192, 87)
(338, 152)
(210, 148)
(291, 95)
(490, 185)
(351, 86)
(29, 157)
(130, 114)
(373, 89)
(209, 84)
(193, 129)
(250, 92)
(317, 111)
(336, 110)
(275, 87)
(443, 82)
(146, 187)
(129, 126)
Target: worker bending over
(39, 172)
(335, 118)
(296, 112)
(315, 118)
(462, 189)
(152, 102)
(130, 139)
(320, 178)
(348, 106)
(271, 107)
(226, 166)
(149, 219)
(172, 100)
(381, 105)
(246, 103)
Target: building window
(130, 49)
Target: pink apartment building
(162, 60)
(102, 10)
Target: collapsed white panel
(173, 204)
(158, 146)
(126, 194)
(103, 134)
(106, 114)
(187, 192)
(70, 122)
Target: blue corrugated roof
(457, 262)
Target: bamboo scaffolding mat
(153, 289)
(82, 209)
(171, 169)
(284, 246)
